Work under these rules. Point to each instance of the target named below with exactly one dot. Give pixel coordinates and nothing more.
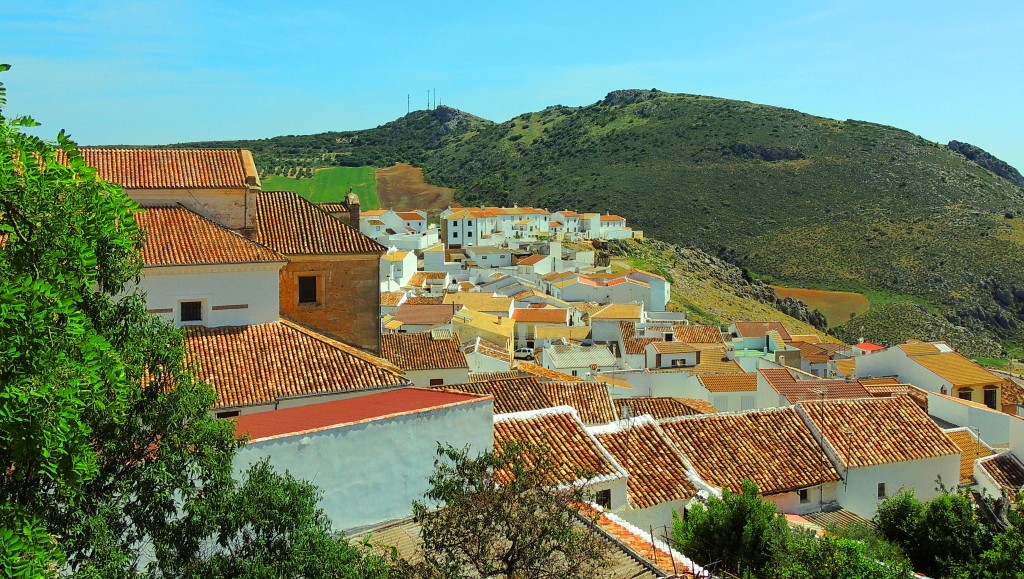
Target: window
(604, 498)
(307, 289)
(881, 490)
(191, 311)
(469, 234)
(803, 496)
(455, 234)
(227, 414)
(469, 223)
(964, 393)
(436, 381)
(991, 396)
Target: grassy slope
(331, 185)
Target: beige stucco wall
(231, 208)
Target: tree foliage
(739, 532)
(942, 537)
(110, 462)
(499, 514)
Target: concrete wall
(232, 208)
(860, 491)
(349, 303)
(232, 295)
(372, 472)
(731, 401)
(655, 517)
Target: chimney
(352, 204)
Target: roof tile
(177, 236)
(656, 468)
(169, 168)
(292, 225)
(421, 351)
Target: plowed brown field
(402, 188)
(837, 306)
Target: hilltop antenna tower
(407, 104)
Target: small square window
(604, 498)
(191, 311)
(803, 496)
(307, 289)
(455, 234)
(881, 490)
(469, 234)
(436, 381)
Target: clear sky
(155, 72)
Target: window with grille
(307, 289)
(604, 498)
(191, 311)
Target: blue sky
(171, 71)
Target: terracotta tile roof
(761, 329)
(574, 451)
(543, 316)
(514, 395)
(673, 348)
(590, 399)
(618, 312)
(783, 382)
(177, 236)
(480, 301)
(172, 168)
(917, 347)
(812, 353)
(971, 449)
(774, 448)
(395, 256)
(333, 207)
(879, 381)
(421, 351)
(1006, 470)
(697, 334)
(533, 259)
(1012, 393)
(612, 218)
(712, 361)
(577, 333)
(410, 216)
(957, 370)
(292, 225)
(630, 341)
(491, 376)
(658, 553)
(326, 415)
(260, 364)
(545, 373)
(425, 314)
(421, 278)
(847, 367)
(657, 470)
(425, 300)
(662, 408)
(746, 382)
(490, 349)
(391, 298)
(873, 431)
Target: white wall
(993, 425)
(789, 503)
(372, 472)
(217, 286)
(447, 375)
(860, 491)
(483, 363)
(656, 517)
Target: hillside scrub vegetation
(810, 201)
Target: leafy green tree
(941, 537)
(740, 532)
(110, 462)
(833, 557)
(501, 514)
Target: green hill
(808, 201)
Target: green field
(331, 184)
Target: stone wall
(348, 297)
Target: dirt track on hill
(401, 187)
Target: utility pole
(428, 99)
(407, 104)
